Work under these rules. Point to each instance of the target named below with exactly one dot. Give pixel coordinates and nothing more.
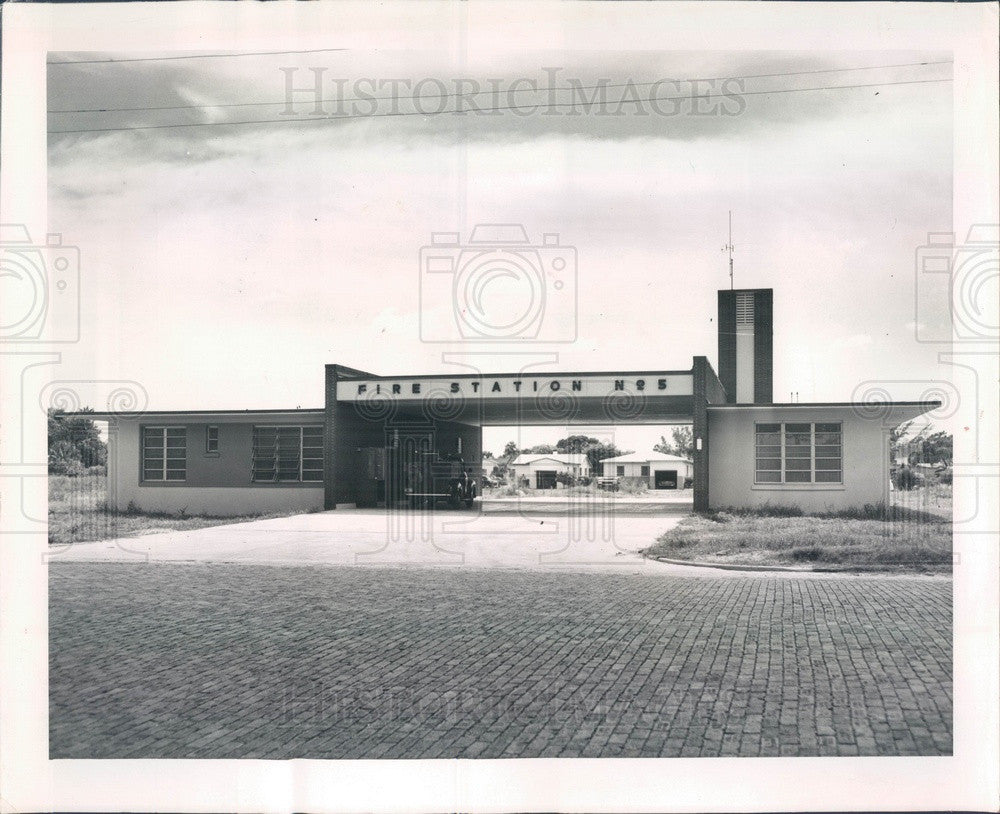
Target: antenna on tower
(729, 248)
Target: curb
(735, 567)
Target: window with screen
(799, 452)
(644, 471)
(287, 454)
(620, 470)
(164, 453)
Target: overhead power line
(512, 90)
(191, 56)
(536, 105)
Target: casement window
(211, 439)
(799, 453)
(164, 453)
(287, 454)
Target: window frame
(163, 430)
(644, 470)
(209, 440)
(783, 458)
(302, 468)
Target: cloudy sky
(223, 265)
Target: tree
(510, 452)
(576, 444)
(922, 447)
(541, 449)
(74, 443)
(937, 448)
(898, 438)
(682, 446)
(598, 453)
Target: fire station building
(353, 451)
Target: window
(287, 454)
(799, 453)
(644, 471)
(211, 439)
(620, 471)
(164, 453)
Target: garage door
(666, 479)
(545, 479)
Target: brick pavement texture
(243, 661)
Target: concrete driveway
(373, 537)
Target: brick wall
(727, 342)
(763, 347)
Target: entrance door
(545, 479)
(666, 479)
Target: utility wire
(513, 90)
(480, 110)
(191, 56)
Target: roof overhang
(227, 416)
(889, 413)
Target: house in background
(657, 470)
(539, 471)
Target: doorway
(545, 479)
(665, 479)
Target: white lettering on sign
(511, 387)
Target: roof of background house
(568, 458)
(643, 458)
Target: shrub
(509, 490)
(629, 486)
(906, 479)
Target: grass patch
(78, 513)
(873, 538)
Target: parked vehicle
(438, 478)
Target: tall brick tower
(746, 345)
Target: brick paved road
(220, 661)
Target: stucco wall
(528, 470)
(634, 471)
(731, 462)
(216, 484)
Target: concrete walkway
(373, 537)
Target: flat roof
(855, 404)
(217, 413)
(540, 374)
